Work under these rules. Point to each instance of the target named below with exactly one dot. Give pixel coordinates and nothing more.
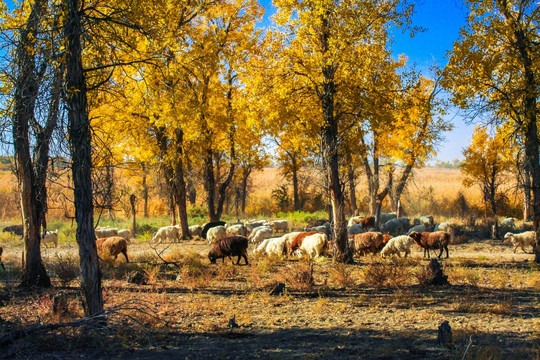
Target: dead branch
(159, 253)
(113, 316)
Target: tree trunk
(81, 156)
(296, 197)
(132, 201)
(352, 188)
(402, 183)
(180, 185)
(210, 186)
(145, 190)
(32, 192)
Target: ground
(374, 309)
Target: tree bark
(132, 201)
(180, 185)
(81, 156)
(401, 184)
(30, 178)
(145, 190)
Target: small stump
(444, 337)
(278, 289)
(433, 274)
(138, 278)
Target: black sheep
(210, 225)
(229, 246)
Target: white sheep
(447, 226)
(216, 233)
(195, 231)
(105, 232)
(262, 234)
(522, 239)
(276, 246)
(354, 220)
(125, 233)
(257, 229)
(288, 238)
(397, 245)
(51, 237)
(261, 248)
(279, 225)
(238, 229)
(314, 245)
(166, 233)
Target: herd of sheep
(395, 236)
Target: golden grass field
(374, 309)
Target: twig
(132, 304)
(159, 253)
(467, 348)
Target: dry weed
(341, 275)
(386, 274)
(66, 268)
(299, 276)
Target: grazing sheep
(386, 217)
(325, 229)
(210, 225)
(313, 223)
(112, 246)
(215, 233)
(279, 226)
(276, 246)
(166, 233)
(15, 229)
(355, 229)
(447, 226)
(238, 229)
(196, 231)
(420, 228)
(251, 226)
(229, 246)
(297, 242)
(397, 226)
(397, 245)
(261, 248)
(51, 237)
(314, 245)
(125, 233)
(521, 240)
(262, 233)
(101, 232)
(365, 222)
(432, 240)
(508, 225)
(426, 220)
(370, 242)
(289, 238)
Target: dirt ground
(375, 309)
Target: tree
(487, 159)
(321, 47)
(494, 71)
(36, 67)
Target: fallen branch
(159, 253)
(94, 320)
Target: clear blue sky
(442, 20)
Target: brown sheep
(235, 245)
(372, 242)
(297, 242)
(367, 222)
(432, 240)
(112, 246)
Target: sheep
(432, 240)
(279, 226)
(125, 233)
(354, 220)
(386, 217)
(276, 246)
(215, 233)
(314, 245)
(105, 232)
(371, 242)
(396, 226)
(210, 225)
(253, 226)
(325, 229)
(261, 248)
(355, 229)
(508, 225)
(313, 223)
(297, 242)
(398, 244)
(229, 246)
(15, 229)
(426, 220)
(522, 239)
(289, 238)
(420, 228)
(447, 226)
(238, 229)
(264, 232)
(196, 231)
(113, 246)
(51, 237)
(365, 222)
(166, 233)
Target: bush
(66, 269)
(387, 274)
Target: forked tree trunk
(81, 156)
(30, 176)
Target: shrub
(66, 269)
(386, 274)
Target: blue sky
(442, 20)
